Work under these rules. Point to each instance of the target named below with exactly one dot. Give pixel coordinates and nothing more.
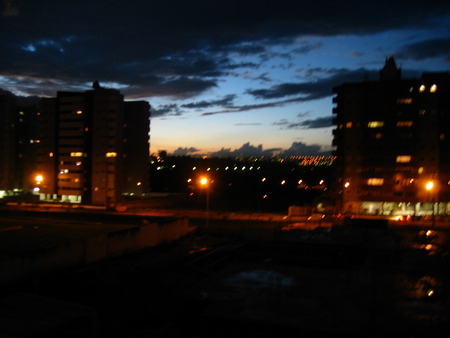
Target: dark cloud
(302, 149)
(246, 150)
(434, 48)
(224, 102)
(301, 92)
(167, 109)
(316, 89)
(175, 48)
(296, 149)
(320, 122)
(184, 151)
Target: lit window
(76, 154)
(420, 170)
(422, 88)
(50, 154)
(375, 124)
(79, 112)
(403, 159)
(404, 123)
(375, 181)
(406, 100)
(348, 125)
(433, 88)
(111, 154)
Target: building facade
(393, 144)
(93, 147)
(18, 145)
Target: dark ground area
(305, 284)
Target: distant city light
(429, 186)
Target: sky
(222, 77)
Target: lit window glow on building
(406, 100)
(403, 159)
(76, 154)
(375, 181)
(404, 124)
(111, 154)
(433, 89)
(375, 124)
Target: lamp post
(429, 187)
(204, 182)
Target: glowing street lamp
(429, 186)
(204, 182)
(39, 179)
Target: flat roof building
(94, 147)
(393, 144)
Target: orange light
(429, 186)
(347, 184)
(203, 181)
(39, 178)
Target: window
(422, 88)
(348, 125)
(403, 159)
(76, 154)
(404, 124)
(405, 100)
(433, 88)
(375, 124)
(111, 154)
(375, 181)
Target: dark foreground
(302, 284)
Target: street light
(204, 182)
(429, 186)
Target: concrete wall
(26, 264)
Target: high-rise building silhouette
(393, 144)
(18, 144)
(93, 147)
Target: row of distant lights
(217, 169)
(283, 182)
(228, 168)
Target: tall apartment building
(18, 143)
(93, 147)
(393, 144)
